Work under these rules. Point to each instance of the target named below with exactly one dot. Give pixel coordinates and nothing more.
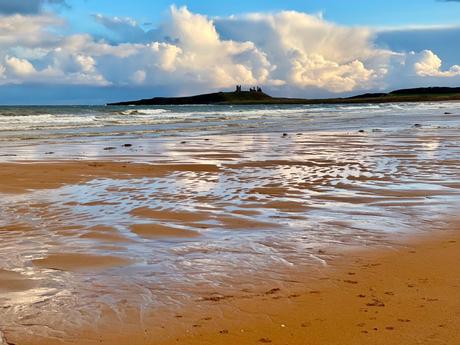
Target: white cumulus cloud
(20, 67)
(430, 65)
(191, 52)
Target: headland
(257, 96)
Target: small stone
(127, 145)
(109, 148)
(272, 291)
(350, 281)
(376, 303)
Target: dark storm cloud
(26, 6)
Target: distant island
(257, 96)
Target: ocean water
(72, 121)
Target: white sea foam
(84, 120)
(143, 111)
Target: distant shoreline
(429, 94)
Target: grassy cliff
(430, 94)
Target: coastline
(429, 94)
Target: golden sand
(409, 295)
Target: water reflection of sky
(311, 191)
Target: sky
(99, 51)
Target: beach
(230, 225)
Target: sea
(41, 122)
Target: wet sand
(20, 178)
(176, 244)
(77, 262)
(408, 295)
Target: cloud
(26, 6)
(311, 52)
(437, 39)
(124, 28)
(271, 49)
(20, 67)
(290, 52)
(429, 65)
(28, 31)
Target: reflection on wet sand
(100, 240)
(71, 262)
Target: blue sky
(350, 12)
(95, 51)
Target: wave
(21, 122)
(143, 112)
(215, 117)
